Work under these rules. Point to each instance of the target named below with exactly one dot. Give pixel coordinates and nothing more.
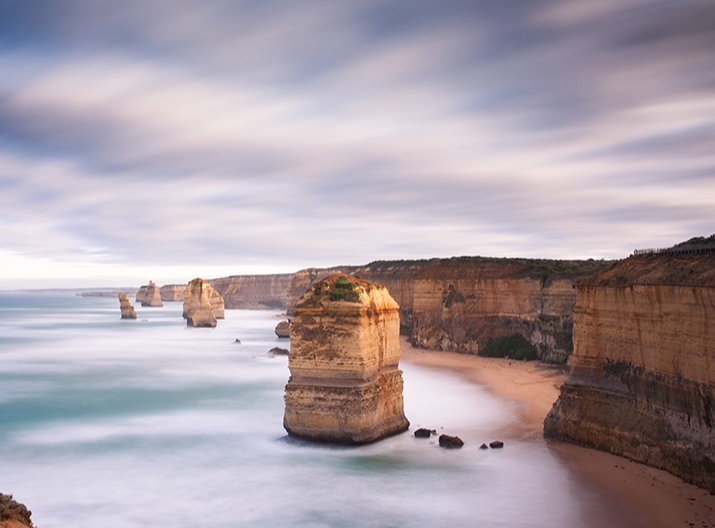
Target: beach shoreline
(653, 498)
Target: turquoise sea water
(110, 423)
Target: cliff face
(126, 308)
(462, 303)
(345, 385)
(202, 304)
(452, 304)
(172, 292)
(643, 376)
(250, 292)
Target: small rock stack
(128, 311)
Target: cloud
(334, 132)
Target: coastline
(653, 497)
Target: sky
(168, 140)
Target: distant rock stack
(345, 385)
(283, 329)
(202, 304)
(149, 295)
(126, 307)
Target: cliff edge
(643, 369)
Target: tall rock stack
(202, 304)
(345, 385)
(149, 295)
(126, 307)
(643, 369)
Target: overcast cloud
(242, 136)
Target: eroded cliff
(643, 369)
(254, 292)
(345, 384)
(172, 292)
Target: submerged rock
(278, 351)
(126, 308)
(450, 442)
(423, 433)
(149, 295)
(483, 446)
(283, 329)
(496, 444)
(199, 303)
(345, 385)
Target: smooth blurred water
(110, 423)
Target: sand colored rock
(148, 295)
(643, 370)
(202, 304)
(172, 292)
(14, 514)
(126, 307)
(254, 292)
(283, 329)
(345, 384)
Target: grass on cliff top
(514, 346)
(341, 289)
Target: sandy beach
(652, 498)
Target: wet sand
(650, 497)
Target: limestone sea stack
(643, 369)
(14, 514)
(201, 304)
(345, 385)
(283, 329)
(126, 307)
(149, 295)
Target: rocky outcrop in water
(254, 292)
(201, 304)
(149, 295)
(126, 307)
(345, 384)
(172, 292)
(283, 329)
(643, 369)
(14, 514)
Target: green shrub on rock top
(513, 347)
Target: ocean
(110, 423)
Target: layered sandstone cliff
(462, 303)
(251, 292)
(643, 368)
(148, 295)
(345, 384)
(202, 304)
(126, 308)
(172, 292)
